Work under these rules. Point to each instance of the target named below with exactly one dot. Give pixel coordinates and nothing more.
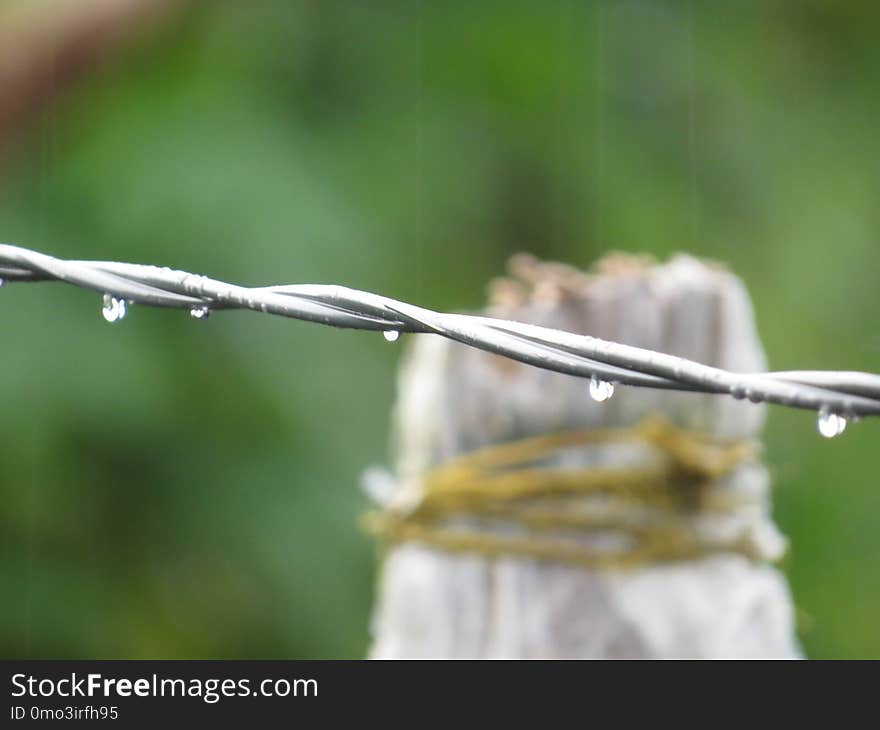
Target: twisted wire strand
(848, 394)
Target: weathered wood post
(529, 520)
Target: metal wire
(848, 394)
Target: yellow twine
(504, 485)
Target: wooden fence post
(549, 548)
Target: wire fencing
(835, 395)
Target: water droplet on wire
(200, 312)
(114, 309)
(830, 424)
(391, 335)
(600, 390)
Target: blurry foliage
(180, 489)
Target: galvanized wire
(831, 393)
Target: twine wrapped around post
(527, 519)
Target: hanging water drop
(830, 424)
(391, 335)
(202, 312)
(113, 309)
(600, 390)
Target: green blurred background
(174, 489)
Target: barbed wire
(835, 395)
